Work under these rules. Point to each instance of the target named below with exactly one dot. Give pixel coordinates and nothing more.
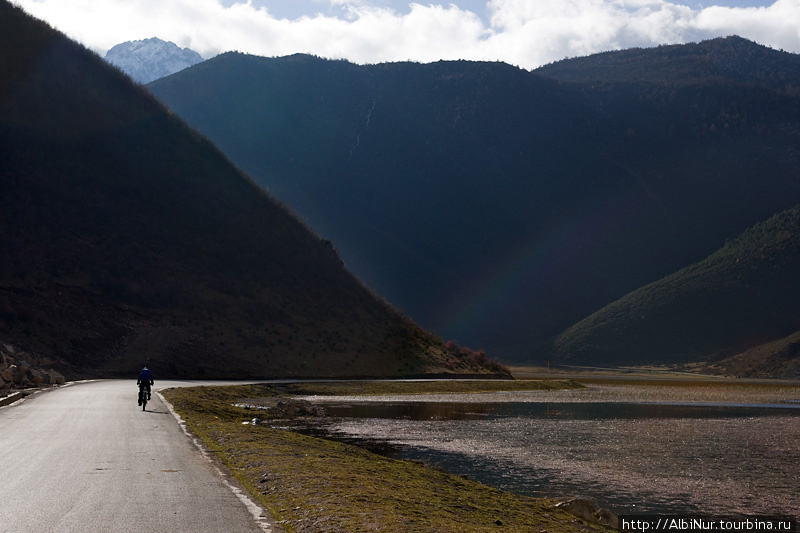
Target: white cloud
(777, 25)
(527, 33)
(541, 32)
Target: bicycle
(144, 395)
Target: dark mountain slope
(127, 238)
(497, 206)
(402, 165)
(722, 60)
(741, 297)
(779, 358)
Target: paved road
(84, 458)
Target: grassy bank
(315, 485)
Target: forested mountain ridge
(743, 296)
(721, 60)
(373, 159)
(129, 239)
(499, 206)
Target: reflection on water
(667, 456)
(564, 411)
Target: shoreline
(313, 484)
(642, 373)
(643, 438)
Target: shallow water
(643, 449)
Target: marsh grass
(315, 485)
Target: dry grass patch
(316, 485)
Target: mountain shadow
(740, 298)
(498, 206)
(129, 239)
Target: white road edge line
(26, 393)
(255, 509)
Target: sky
(525, 33)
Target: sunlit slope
(129, 239)
(741, 297)
(498, 206)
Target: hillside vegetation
(722, 60)
(499, 207)
(742, 298)
(779, 358)
(129, 239)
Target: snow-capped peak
(149, 59)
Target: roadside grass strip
(316, 485)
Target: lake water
(714, 450)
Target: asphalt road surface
(84, 458)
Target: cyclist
(145, 381)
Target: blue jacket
(145, 376)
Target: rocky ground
(21, 370)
